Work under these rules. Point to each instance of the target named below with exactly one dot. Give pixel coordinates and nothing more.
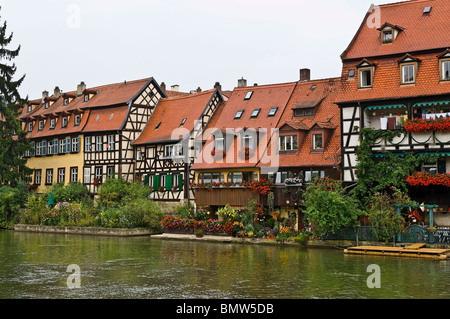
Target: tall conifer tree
(13, 140)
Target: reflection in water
(34, 266)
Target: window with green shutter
(169, 182)
(156, 182)
(180, 182)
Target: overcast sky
(192, 43)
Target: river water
(35, 266)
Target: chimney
(218, 86)
(199, 90)
(44, 94)
(163, 86)
(80, 88)
(242, 83)
(57, 92)
(175, 87)
(305, 75)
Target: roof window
(248, 95)
(273, 111)
(426, 11)
(255, 113)
(157, 126)
(183, 121)
(238, 114)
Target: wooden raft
(415, 250)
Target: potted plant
(199, 233)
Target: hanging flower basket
(96, 181)
(421, 125)
(428, 179)
(246, 152)
(218, 155)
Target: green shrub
(12, 199)
(302, 238)
(113, 192)
(144, 213)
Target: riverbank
(312, 243)
(98, 231)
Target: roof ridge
(188, 96)
(403, 3)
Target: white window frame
(314, 141)
(99, 173)
(74, 174)
(362, 71)
(111, 142)
(38, 177)
(88, 144)
(64, 122)
(30, 126)
(77, 120)
(41, 125)
(445, 64)
(288, 139)
(99, 143)
(86, 175)
(75, 144)
(49, 176)
(219, 143)
(61, 175)
(406, 73)
(52, 124)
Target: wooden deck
(415, 250)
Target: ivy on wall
(381, 174)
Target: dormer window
(64, 122)
(77, 119)
(408, 69)
(41, 125)
(66, 102)
(30, 126)
(46, 105)
(387, 36)
(86, 97)
(444, 66)
(389, 32)
(52, 124)
(29, 108)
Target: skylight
(183, 121)
(427, 10)
(255, 113)
(248, 95)
(238, 114)
(273, 111)
(157, 126)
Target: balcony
(220, 196)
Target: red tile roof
(386, 82)
(264, 97)
(421, 32)
(106, 119)
(170, 112)
(326, 116)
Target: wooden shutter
(156, 182)
(169, 178)
(180, 182)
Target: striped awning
(384, 107)
(428, 104)
(382, 155)
(433, 153)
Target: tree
(328, 208)
(13, 141)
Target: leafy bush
(113, 192)
(302, 238)
(12, 199)
(329, 208)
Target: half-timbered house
(85, 135)
(308, 142)
(397, 69)
(236, 142)
(167, 146)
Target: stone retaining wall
(99, 231)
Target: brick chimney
(305, 75)
(163, 86)
(218, 86)
(44, 94)
(80, 88)
(57, 92)
(199, 90)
